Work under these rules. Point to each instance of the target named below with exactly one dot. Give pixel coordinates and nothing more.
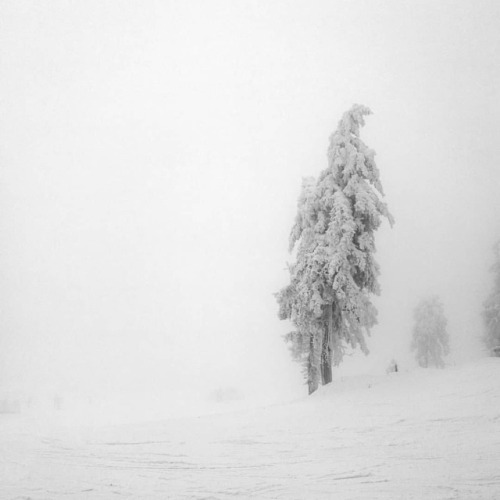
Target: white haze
(151, 155)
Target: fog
(151, 156)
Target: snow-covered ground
(426, 434)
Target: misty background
(151, 156)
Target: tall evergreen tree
(491, 307)
(430, 338)
(328, 298)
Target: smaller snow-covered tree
(491, 307)
(430, 338)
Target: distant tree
(328, 298)
(430, 338)
(393, 367)
(491, 307)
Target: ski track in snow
(431, 434)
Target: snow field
(432, 434)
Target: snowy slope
(427, 434)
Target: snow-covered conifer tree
(491, 308)
(430, 338)
(328, 298)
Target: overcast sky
(151, 156)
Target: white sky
(151, 155)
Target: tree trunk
(326, 348)
(326, 371)
(312, 369)
(312, 385)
